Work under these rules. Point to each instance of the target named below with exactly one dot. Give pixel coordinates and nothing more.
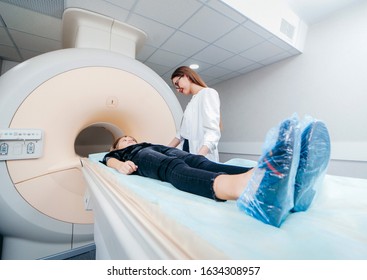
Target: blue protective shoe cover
(269, 195)
(313, 162)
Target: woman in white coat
(200, 127)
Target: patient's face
(125, 142)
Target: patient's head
(123, 142)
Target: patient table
(142, 218)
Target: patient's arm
(124, 167)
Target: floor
(90, 255)
(87, 252)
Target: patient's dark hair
(114, 145)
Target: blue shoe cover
(269, 195)
(314, 159)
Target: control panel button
(21, 144)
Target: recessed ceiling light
(194, 66)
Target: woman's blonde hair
(193, 77)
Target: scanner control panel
(21, 143)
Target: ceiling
(222, 41)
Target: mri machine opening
(78, 100)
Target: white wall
(327, 81)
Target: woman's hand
(204, 150)
(174, 142)
(124, 167)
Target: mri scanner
(54, 200)
(45, 103)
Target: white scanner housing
(61, 93)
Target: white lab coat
(200, 123)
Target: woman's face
(125, 142)
(182, 84)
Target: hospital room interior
(75, 75)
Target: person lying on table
(282, 182)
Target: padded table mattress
(179, 225)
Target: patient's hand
(124, 167)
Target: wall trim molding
(346, 151)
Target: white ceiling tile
(4, 38)
(231, 75)
(250, 68)
(27, 54)
(207, 78)
(126, 4)
(53, 8)
(239, 40)
(213, 81)
(224, 9)
(157, 32)
(201, 25)
(167, 78)
(103, 8)
(31, 22)
(202, 65)
(258, 29)
(213, 55)
(262, 51)
(215, 72)
(166, 58)
(174, 14)
(280, 43)
(159, 69)
(183, 44)
(34, 43)
(235, 63)
(9, 53)
(145, 52)
(224, 78)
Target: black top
(127, 153)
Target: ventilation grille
(287, 29)
(53, 8)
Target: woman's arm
(174, 143)
(124, 167)
(211, 121)
(204, 150)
